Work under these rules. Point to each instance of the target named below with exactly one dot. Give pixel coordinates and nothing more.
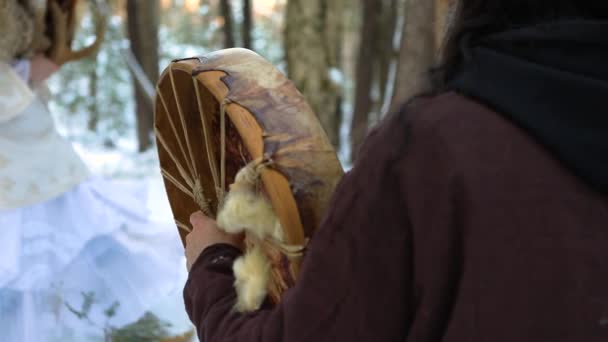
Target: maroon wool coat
(453, 226)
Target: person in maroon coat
(479, 212)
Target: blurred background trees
(354, 60)
(142, 27)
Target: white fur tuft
(252, 273)
(244, 209)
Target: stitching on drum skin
(201, 69)
(201, 59)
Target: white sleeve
(15, 94)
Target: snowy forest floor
(121, 165)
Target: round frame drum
(227, 110)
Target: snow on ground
(123, 165)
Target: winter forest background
(354, 61)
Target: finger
(200, 221)
(197, 217)
(189, 237)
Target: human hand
(41, 68)
(205, 233)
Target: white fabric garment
(64, 233)
(36, 163)
(93, 239)
(15, 95)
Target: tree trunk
(442, 8)
(385, 47)
(226, 11)
(92, 105)
(143, 17)
(418, 51)
(334, 28)
(312, 46)
(364, 74)
(247, 24)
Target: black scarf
(551, 80)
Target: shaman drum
(238, 141)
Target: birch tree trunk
(313, 34)
(143, 19)
(418, 51)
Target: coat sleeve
(356, 282)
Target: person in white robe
(66, 235)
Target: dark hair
(477, 18)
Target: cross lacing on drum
(193, 187)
